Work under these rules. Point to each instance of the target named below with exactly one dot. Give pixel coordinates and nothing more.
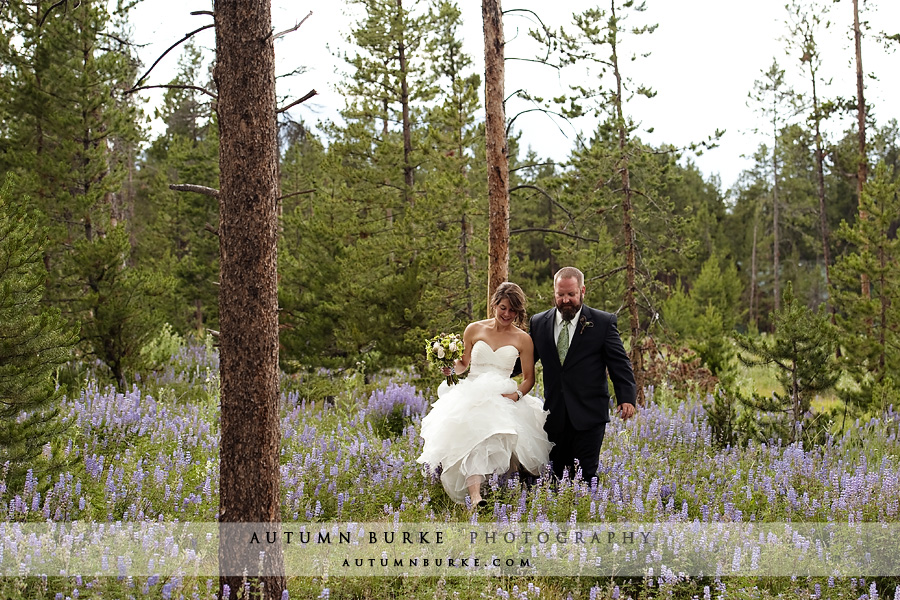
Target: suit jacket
(577, 390)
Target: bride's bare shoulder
(479, 325)
(475, 328)
(523, 340)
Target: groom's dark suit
(576, 392)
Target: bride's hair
(514, 295)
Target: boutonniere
(584, 324)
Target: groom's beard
(569, 309)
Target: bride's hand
(447, 371)
(514, 396)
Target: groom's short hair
(567, 272)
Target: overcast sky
(704, 57)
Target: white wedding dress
(473, 431)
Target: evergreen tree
(175, 230)
(802, 350)
(870, 324)
(806, 21)
(36, 340)
(402, 223)
(72, 145)
(122, 302)
(746, 230)
(310, 247)
(772, 95)
(618, 170)
(704, 316)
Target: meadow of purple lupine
(151, 454)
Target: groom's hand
(626, 411)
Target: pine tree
(870, 323)
(402, 218)
(36, 340)
(771, 93)
(618, 170)
(74, 140)
(704, 316)
(175, 230)
(802, 350)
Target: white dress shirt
(559, 325)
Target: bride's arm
(460, 365)
(526, 357)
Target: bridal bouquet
(443, 350)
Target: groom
(577, 346)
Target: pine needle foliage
(34, 342)
(803, 351)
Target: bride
(486, 423)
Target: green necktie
(562, 342)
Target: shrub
(393, 408)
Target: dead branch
(543, 110)
(170, 48)
(530, 165)
(211, 229)
(557, 231)
(546, 194)
(291, 195)
(174, 87)
(49, 10)
(197, 189)
(298, 71)
(607, 275)
(294, 28)
(546, 29)
(308, 95)
(204, 12)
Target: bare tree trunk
(885, 305)
(862, 168)
(496, 144)
(776, 242)
(407, 126)
(250, 432)
(464, 258)
(754, 300)
(820, 190)
(637, 350)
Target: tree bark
(637, 343)
(496, 144)
(776, 242)
(753, 293)
(249, 489)
(820, 190)
(407, 125)
(862, 168)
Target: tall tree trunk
(885, 302)
(754, 300)
(407, 126)
(248, 301)
(862, 168)
(496, 144)
(820, 190)
(637, 349)
(776, 242)
(464, 257)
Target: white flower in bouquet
(443, 351)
